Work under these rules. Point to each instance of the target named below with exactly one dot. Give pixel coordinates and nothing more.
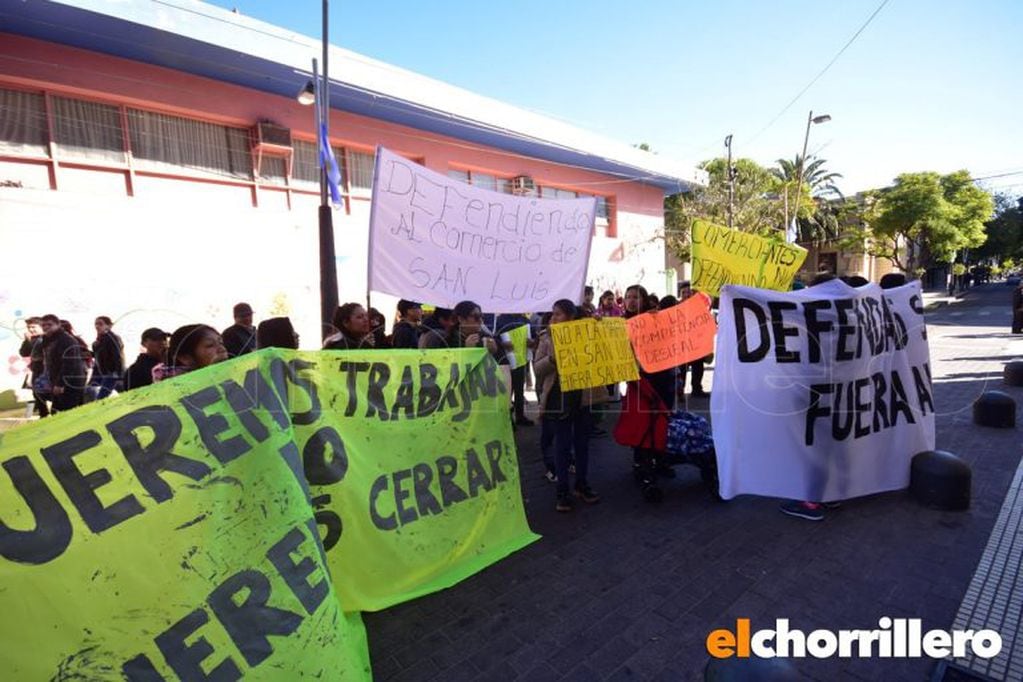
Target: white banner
(820, 394)
(440, 241)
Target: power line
(821, 73)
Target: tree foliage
(1004, 231)
(926, 217)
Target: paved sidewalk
(626, 590)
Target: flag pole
(328, 262)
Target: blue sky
(928, 85)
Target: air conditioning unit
(271, 134)
(523, 184)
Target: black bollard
(1012, 375)
(995, 408)
(750, 669)
(940, 480)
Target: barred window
(305, 164)
(493, 183)
(162, 141)
(87, 130)
(23, 123)
(361, 170)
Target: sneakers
(586, 494)
(551, 476)
(564, 504)
(811, 511)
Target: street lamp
(810, 120)
(318, 93)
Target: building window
(23, 123)
(167, 142)
(360, 169)
(87, 130)
(603, 223)
(494, 183)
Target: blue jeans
(572, 432)
(101, 385)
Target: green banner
(174, 532)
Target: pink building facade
(143, 186)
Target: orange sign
(673, 337)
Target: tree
(822, 207)
(1004, 231)
(756, 206)
(925, 218)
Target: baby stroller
(663, 439)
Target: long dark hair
(185, 340)
(568, 307)
(276, 332)
(343, 314)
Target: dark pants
(102, 385)
(697, 369)
(547, 442)
(1017, 322)
(572, 432)
(518, 379)
(71, 397)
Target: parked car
(1013, 279)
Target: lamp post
(731, 181)
(810, 120)
(318, 92)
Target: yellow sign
(222, 523)
(593, 353)
(723, 256)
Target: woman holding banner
(637, 302)
(567, 413)
(353, 330)
(191, 347)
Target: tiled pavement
(625, 590)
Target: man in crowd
(685, 290)
(406, 330)
(63, 365)
(32, 349)
(240, 337)
(433, 333)
(154, 341)
(506, 322)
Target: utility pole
(731, 181)
(811, 119)
(328, 262)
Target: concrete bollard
(996, 409)
(750, 669)
(940, 480)
(1012, 375)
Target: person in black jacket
(506, 322)
(108, 354)
(240, 337)
(32, 350)
(140, 374)
(433, 333)
(63, 365)
(406, 330)
(354, 333)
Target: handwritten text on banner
(439, 240)
(723, 256)
(675, 336)
(593, 353)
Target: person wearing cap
(154, 341)
(240, 337)
(406, 330)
